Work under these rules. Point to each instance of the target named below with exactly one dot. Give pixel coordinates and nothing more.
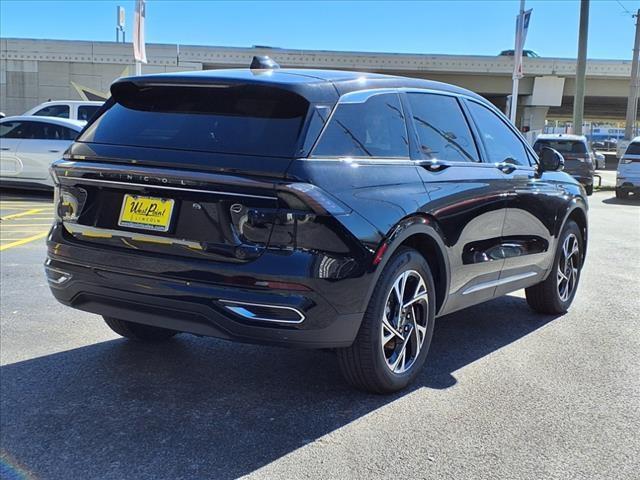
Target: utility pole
(119, 23)
(516, 76)
(634, 85)
(581, 68)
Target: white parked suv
(628, 174)
(72, 109)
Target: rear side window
(36, 131)
(374, 128)
(563, 146)
(633, 149)
(86, 112)
(47, 131)
(243, 119)
(60, 111)
(500, 142)
(442, 129)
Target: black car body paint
(279, 248)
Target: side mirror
(550, 160)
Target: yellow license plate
(147, 213)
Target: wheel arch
(579, 215)
(421, 233)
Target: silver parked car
(28, 146)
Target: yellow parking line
(23, 230)
(23, 214)
(13, 224)
(17, 243)
(39, 215)
(23, 207)
(6, 202)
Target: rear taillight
(306, 219)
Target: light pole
(517, 59)
(581, 68)
(634, 86)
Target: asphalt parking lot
(506, 393)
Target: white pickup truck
(81, 110)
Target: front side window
(374, 128)
(13, 130)
(500, 142)
(60, 111)
(443, 131)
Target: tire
(622, 194)
(589, 189)
(138, 331)
(367, 364)
(549, 296)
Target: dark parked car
(525, 53)
(579, 160)
(308, 208)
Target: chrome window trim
(361, 96)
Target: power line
(625, 8)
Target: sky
(437, 27)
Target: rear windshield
(244, 119)
(563, 146)
(633, 149)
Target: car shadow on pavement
(630, 200)
(22, 194)
(203, 408)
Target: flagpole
(139, 50)
(517, 57)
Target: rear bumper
(628, 183)
(195, 296)
(585, 180)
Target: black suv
(308, 208)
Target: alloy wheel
(404, 321)
(568, 265)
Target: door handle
(505, 167)
(54, 151)
(5, 148)
(432, 165)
